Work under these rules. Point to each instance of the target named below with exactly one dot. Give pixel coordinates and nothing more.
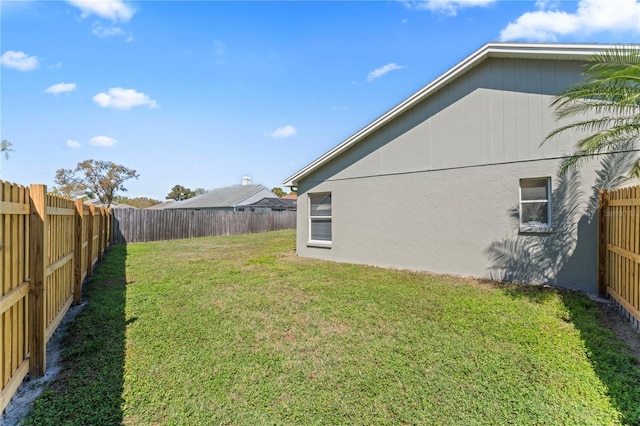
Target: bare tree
(5, 149)
(102, 178)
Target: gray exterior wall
(437, 189)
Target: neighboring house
(97, 203)
(271, 204)
(160, 206)
(455, 180)
(231, 198)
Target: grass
(238, 330)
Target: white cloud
(102, 141)
(283, 132)
(115, 10)
(102, 31)
(592, 16)
(446, 7)
(19, 61)
(220, 47)
(383, 70)
(73, 144)
(546, 4)
(120, 98)
(61, 88)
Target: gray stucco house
(455, 180)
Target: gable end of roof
(546, 51)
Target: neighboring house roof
(274, 203)
(290, 197)
(231, 196)
(491, 50)
(160, 206)
(114, 205)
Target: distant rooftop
(274, 203)
(230, 196)
(96, 202)
(161, 206)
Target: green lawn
(238, 330)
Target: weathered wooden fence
(619, 248)
(48, 245)
(132, 225)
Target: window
(320, 218)
(535, 204)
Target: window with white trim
(535, 204)
(320, 218)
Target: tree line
(103, 179)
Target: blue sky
(201, 93)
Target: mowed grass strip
(238, 330)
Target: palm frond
(635, 169)
(624, 104)
(624, 59)
(613, 127)
(606, 106)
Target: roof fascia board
(489, 50)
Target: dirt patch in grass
(614, 320)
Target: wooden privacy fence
(48, 246)
(132, 225)
(619, 248)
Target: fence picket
(132, 225)
(619, 244)
(42, 239)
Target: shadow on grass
(610, 358)
(558, 259)
(88, 390)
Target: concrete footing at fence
(633, 321)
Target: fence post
(103, 233)
(603, 205)
(38, 258)
(100, 234)
(109, 227)
(77, 253)
(92, 211)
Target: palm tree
(607, 106)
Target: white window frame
(530, 227)
(319, 243)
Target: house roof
(229, 196)
(275, 203)
(582, 52)
(160, 206)
(96, 202)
